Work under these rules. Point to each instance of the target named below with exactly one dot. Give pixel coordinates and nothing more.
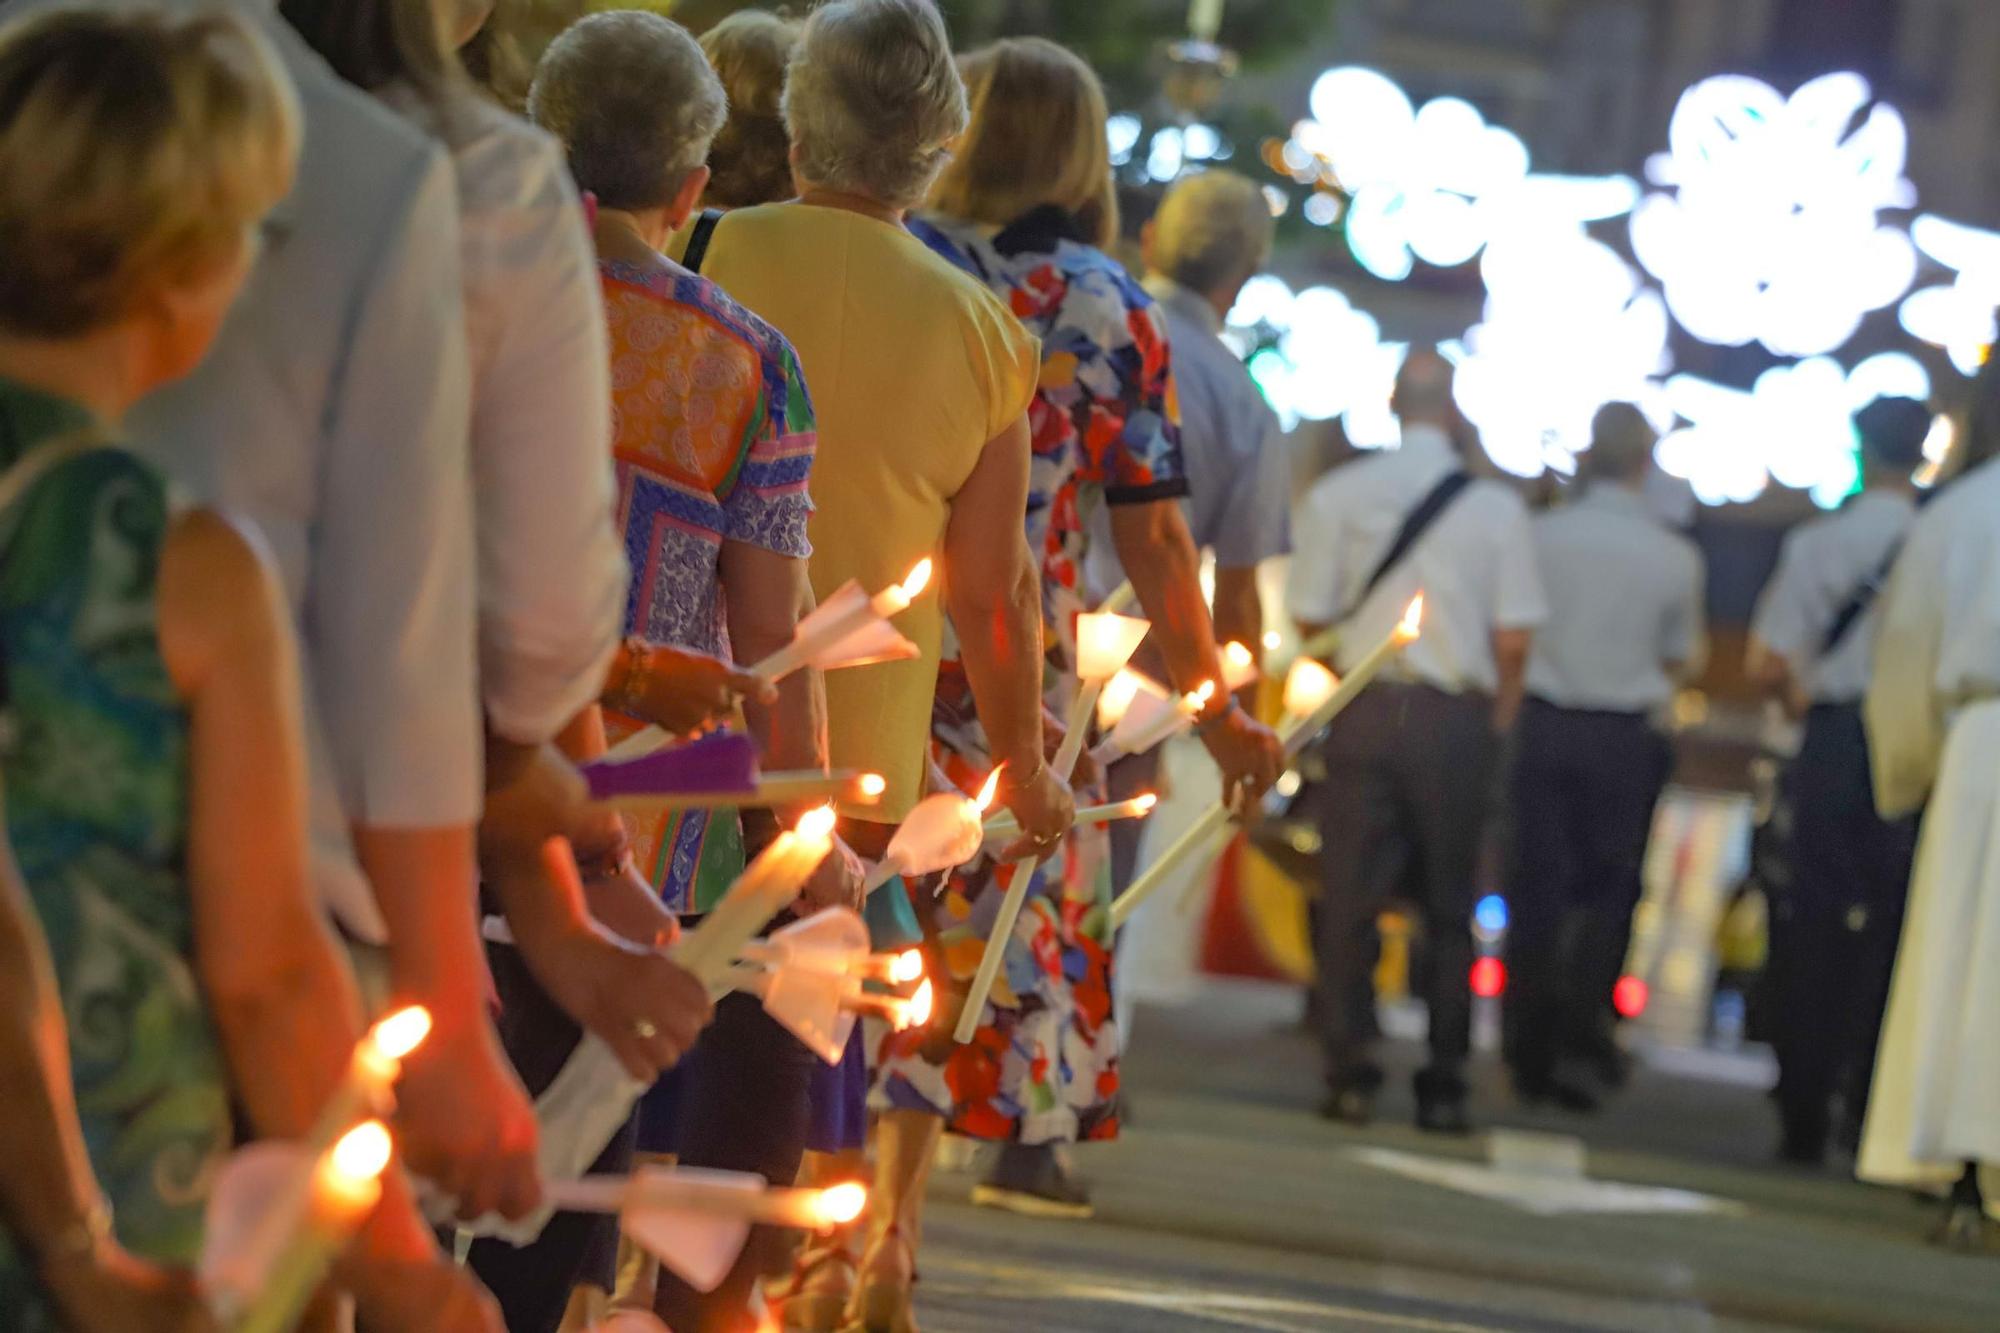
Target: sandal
(813, 1297)
(882, 1300)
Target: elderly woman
(922, 378)
(148, 644)
(714, 439)
(750, 162)
(1027, 204)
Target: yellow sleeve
(1010, 361)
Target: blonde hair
(1037, 139)
(134, 148)
(1213, 228)
(873, 99)
(751, 157)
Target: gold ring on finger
(644, 1030)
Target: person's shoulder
(1497, 498)
(503, 162)
(1967, 509)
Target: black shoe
(1803, 1140)
(1441, 1099)
(1553, 1089)
(1349, 1106)
(1032, 1182)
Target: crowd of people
(375, 452)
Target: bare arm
(1239, 612)
(765, 595)
(992, 591)
(284, 1005)
(1511, 648)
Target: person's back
(313, 418)
(910, 363)
(1624, 604)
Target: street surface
(1229, 1206)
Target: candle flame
(1197, 699)
(362, 1152)
(1412, 623)
(984, 801)
(1273, 640)
(1144, 804)
(397, 1034)
(841, 1204)
(817, 822)
(906, 967)
(1105, 642)
(1236, 655)
(922, 1005)
(1308, 686)
(919, 578)
(872, 785)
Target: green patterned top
(94, 761)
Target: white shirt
(552, 574)
(1625, 601)
(1820, 566)
(1239, 468)
(333, 413)
(1937, 647)
(1475, 565)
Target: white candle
(1239, 667)
(847, 612)
(765, 889)
(1209, 832)
(346, 1184)
(1004, 825)
(1174, 723)
(717, 1193)
(772, 789)
(368, 1087)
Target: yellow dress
(914, 366)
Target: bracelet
(635, 682)
(1229, 709)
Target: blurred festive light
(1959, 318)
(1317, 357)
(1771, 233)
(1491, 914)
(1489, 978)
(1795, 427)
(1123, 132)
(1629, 997)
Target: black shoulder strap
(1858, 602)
(1428, 511)
(698, 239)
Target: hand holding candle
(1312, 699)
(1003, 825)
(942, 833)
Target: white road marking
(1542, 1194)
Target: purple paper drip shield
(726, 761)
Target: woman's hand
(111, 1291)
(680, 691)
(1046, 809)
(1249, 754)
(648, 1009)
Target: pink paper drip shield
(726, 761)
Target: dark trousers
(1834, 933)
(1583, 790)
(1409, 770)
(740, 1105)
(533, 1282)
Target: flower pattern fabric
(713, 437)
(93, 760)
(1043, 1067)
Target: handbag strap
(1415, 524)
(699, 239)
(1858, 602)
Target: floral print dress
(1044, 1065)
(93, 761)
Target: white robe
(1934, 731)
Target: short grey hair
(1213, 228)
(1621, 444)
(634, 102)
(873, 99)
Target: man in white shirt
(1811, 645)
(333, 413)
(1410, 765)
(1625, 626)
(1933, 713)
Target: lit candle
(941, 833)
(1169, 725)
(822, 635)
(1312, 707)
(1104, 644)
(900, 1014)
(771, 790)
(368, 1087)
(344, 1187)
(722, 1194)
(1004, 826)
(1239, 667)
(1119, 694)
(766, 888)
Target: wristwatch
(1221, 708)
